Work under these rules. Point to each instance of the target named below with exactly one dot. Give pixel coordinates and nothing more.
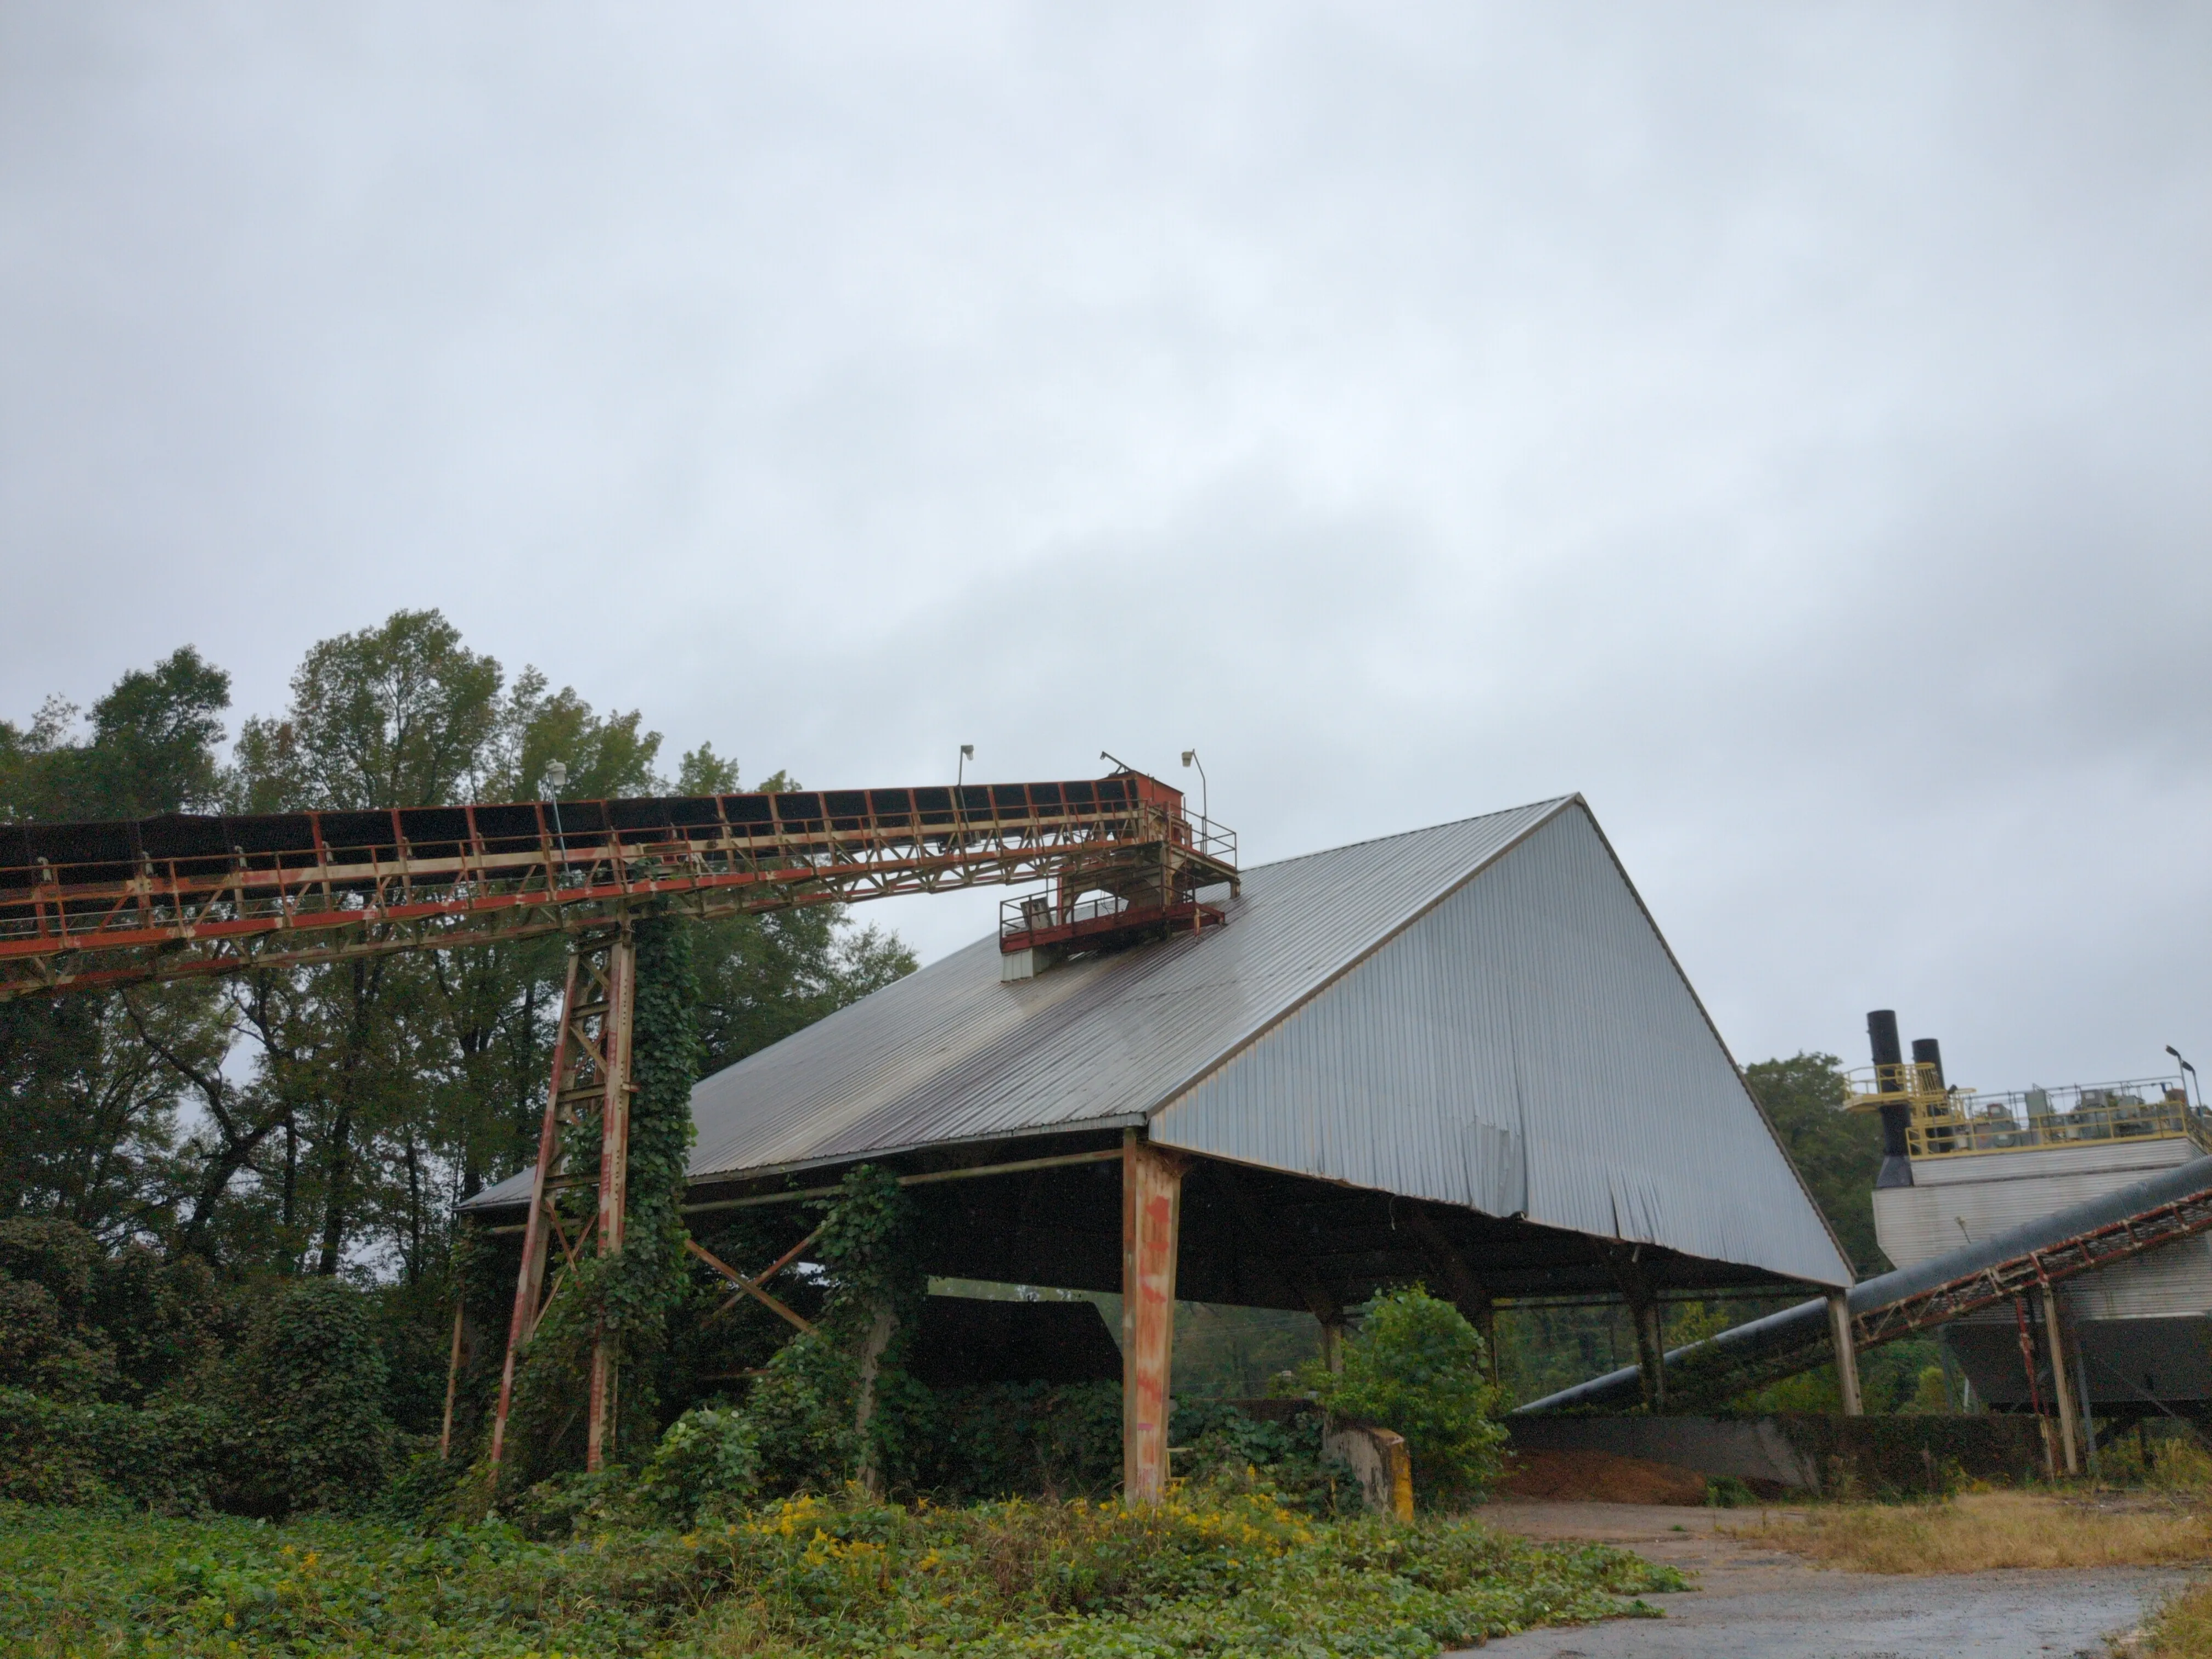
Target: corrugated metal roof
(1521, 1043)
(1528, 1047)
(950, 1053)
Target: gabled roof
(1480, 1013)
(950, 1053)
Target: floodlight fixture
(1205, 806)
(2187, 1072)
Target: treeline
(212, 1136)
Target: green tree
(403, 714)
(1837, 1152)
(151, 748)
(1415, 1367)
(376, 1092)
(87, 1113)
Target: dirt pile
(1597, 1477)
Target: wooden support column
(1298, 1274)
(1643, 1313)
(1152, 1199)
(2069, 1422)
(1467, 1292)
(1847, 1353)
(614, 1175)
(530, 1279)
(452, 1385)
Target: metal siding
(1528, 1046)
(1959, 1200)
(1416, 1014)
(951, 1053)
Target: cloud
(1785, 426)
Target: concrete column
(2070, 1426)
(1847, 1353)
(1151, 1200)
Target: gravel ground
(1757, 1603)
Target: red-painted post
(1151, 1198)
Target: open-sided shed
(1463, 1054)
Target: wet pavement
(1755, 1602)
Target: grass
(1228, 1575)
(1984, 1530)
(2182, 1628)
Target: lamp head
(966, 751)
(557, 776)
(1189, 755)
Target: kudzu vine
(627, 1297)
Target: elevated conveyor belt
(2172, 1206)
(86, 905)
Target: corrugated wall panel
(1528, 1047)
(1959, 1200)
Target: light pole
(2187, 1072)
(1204, 814)
(960, 772)
(555, 780)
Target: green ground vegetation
(1224, 1573)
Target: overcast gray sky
(1787, 425)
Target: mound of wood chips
(1597, 1477)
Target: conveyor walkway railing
(86, 905)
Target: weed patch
(2182, 1629)
(1226, 1574)
(1992, 1529)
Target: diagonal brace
(749, 1287)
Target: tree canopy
(1837, 1152)
(325, 1120)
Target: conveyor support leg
(2070, 1425)
(1847, 1356)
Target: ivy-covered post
(614, 1175)
(624, 1099)
(868, 1241)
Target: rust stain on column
(1152, 1197)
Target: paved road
(1756, 1603)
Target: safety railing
(110, 903)
(1961, 1122)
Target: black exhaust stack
(1882, 1038)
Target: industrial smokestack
(1926, 1051)
(1882, 1037)
(1882, 1041)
